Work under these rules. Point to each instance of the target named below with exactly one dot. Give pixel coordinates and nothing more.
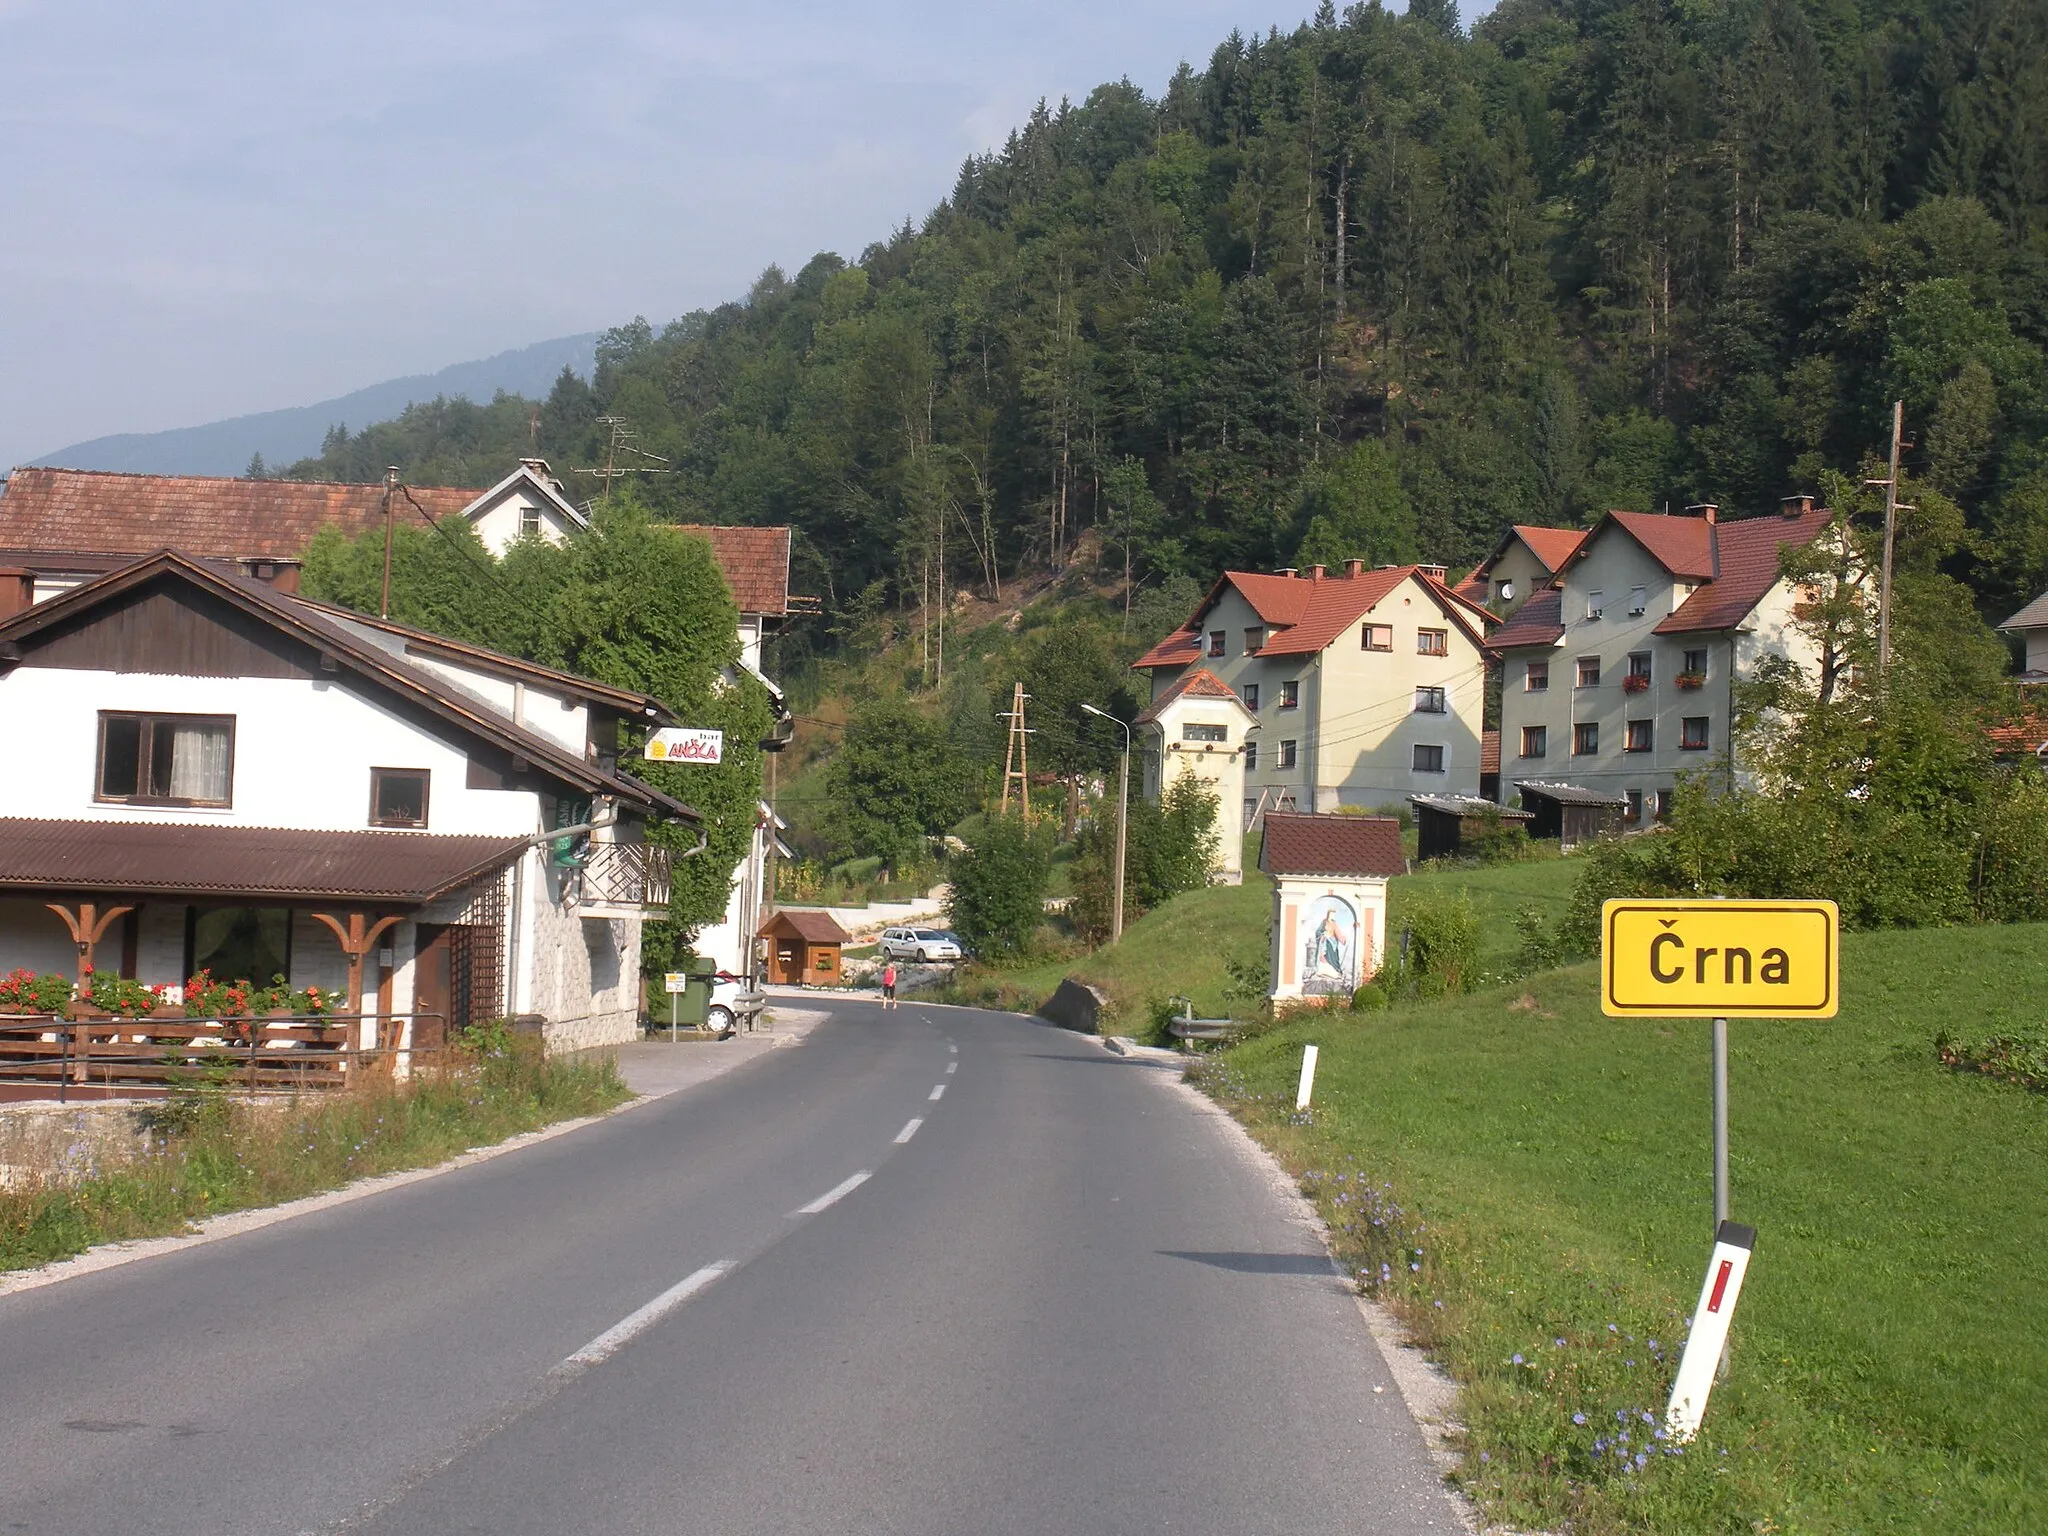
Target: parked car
(923, 945)
(732, 999)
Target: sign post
(678, 983)
(1721, 959)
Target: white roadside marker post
(1706, 1344)
(1308, 1077)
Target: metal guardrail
(1188, 1027)
(277, 1053)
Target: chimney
(1435, 572)
(1706, 511)
(1318, 572)
(17, 590)
(1287, 570)
(1353, 568)
(1797, 506)
(280, 574)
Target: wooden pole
(1891, 512)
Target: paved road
(1061, 1302)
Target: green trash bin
(692, 1004)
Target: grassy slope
(1892, 1345)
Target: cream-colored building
(1618, 677)
(1199, 726)
(1366, 687)
(1526, 560)
(1329, 927)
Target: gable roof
(1297, 843)
(1198, 684)
(2033, 616)
(1746, 567)
(1303, 614)
(1684, 546)
(811, 927)
(306, 624)
(755, 562)
(1552, 546)
(539, 480)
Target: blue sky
(219, 207)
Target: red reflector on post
(1720, 1285)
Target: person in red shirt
(889, 985)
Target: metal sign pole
(672, 1018)
(1720, 1122)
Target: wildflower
(1558, 1342)
(1612, 1329)
(1518, 1358)
(1485, 1456)
(1579, 1419)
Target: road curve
(933, 1271)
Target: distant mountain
(224, 447)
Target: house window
(1639, 665)
(1638, 736)
(1251, 757)
(1692, 733)
(1429, 759)
(1535, 740)
(1254, 639)
(239, 943)
(1376, 637)
(1504, 590)
(1536, 677)
(166, 759)
(1638, 601)
(1660, 801)
(1432, 642)
(1696, 662)
(1250, 694)
(1286, 754)
(398, 797)
(1430, 701)
(529, 522)
(1634, 812)
(1251, 809)
(1585, 738)
(1589, 671)
(1290, 694)
(1596, 604)
(1194, 732)
(1216, 642)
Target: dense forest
(1379, 286)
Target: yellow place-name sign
(1728, 959)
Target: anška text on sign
(684, 744)
(1720, 959)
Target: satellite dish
(1507, 591)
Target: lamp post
(1123, 808)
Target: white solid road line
(952, 1067)
(909, 1130)
(606, 1344)
(938, 1093)
(840, 1192)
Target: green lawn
(1548, 1170)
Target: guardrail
(279, 1053)
(1187, 1027)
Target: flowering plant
(1635, 682)
(23, 991)
(1691, 679)
(206, 998)
(117, 994)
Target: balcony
(622, 880)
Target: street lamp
(1123, 809)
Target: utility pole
(1891, 514)
(1016, 755)
(1123, 821)
(390, 487)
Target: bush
(999, 883)
(1169, 848)
(23, 991)
(1369, 998)
(1495, 839)
(1442, 948)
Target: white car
(923, 945)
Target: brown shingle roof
(1489, 751)
(1296, 844)
(1746, 563)
(811, 927)
(93, 510)
(2033, 616)
(277, 863)
(1536, 622)
(755, 562)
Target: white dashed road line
(837, 1193)
(606, 1344)
(952, 1067)
(938, 1093)
(908, 1131)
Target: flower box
(1690, 680)
(1635, 682)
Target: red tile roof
(183, 859)
(1746, 566)
(1176, 650)
(1684, 546)
(1553, 546)
(1297, 844)
(1489, 751)
(1304, 614)
(1200, 684)
(95, 511)
(755, 562)
(1537, 622)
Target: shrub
(1442, 948)
(1495, 839)
(118, 995)
(1369, 998)
(998, 897)
(23, 991)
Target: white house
(59, 527)
(1366, 687)
(1199, 726)
(1617, 677)
(214, 775)
(2031, 625)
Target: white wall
(498, 524)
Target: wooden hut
(1570, 814)
(1443, 822)
(803, 948)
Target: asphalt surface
(1063, 1302)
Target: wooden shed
(1442, 822)
(803, 948)
(1570, 814)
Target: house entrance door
(431, 993)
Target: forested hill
(1379, 288)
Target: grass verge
(215, 1154)
(1528, 1184)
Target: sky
(211, 207)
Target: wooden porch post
(356, 941)
(88, 925)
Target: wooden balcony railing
(625, 877)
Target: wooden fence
(41, 1056)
